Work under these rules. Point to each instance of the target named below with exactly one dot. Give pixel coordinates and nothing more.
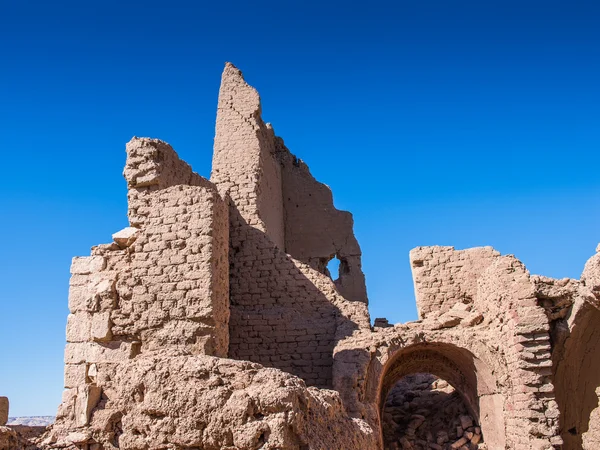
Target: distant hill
(34, 421)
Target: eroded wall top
(243, 165)
(315, 231)
(444, 277)
(273, 191)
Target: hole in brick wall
(423, 411)
(333, 268)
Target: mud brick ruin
(212, 322)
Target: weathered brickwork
(506, 297)
(212, 322)
(284, 313)
(203, 270)
(163, 284)
(495, 335)
(243, 165)
(315, 231)
(444, 276)
(572, 307)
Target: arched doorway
(472, 380)
(423, 412)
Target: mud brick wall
(237, 267)
(500, 291)
(506, 296)
(152, 165)
(284, 313)
(162, 285)
(175, 291)
(315, 231)
(243, 165)
(443, 276)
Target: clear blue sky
(435, 122)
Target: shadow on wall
(470, 376)
(577, 374)
(282, 311)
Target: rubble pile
(423, 412)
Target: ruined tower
(212, 322)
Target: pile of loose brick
(423, 412)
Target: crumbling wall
(145, 309)
(506, 298)
(153, 165)
(237, 267)
(492, 344)
(572, 309)
(284, 313)
(590, 278)
(243, 165)
(162, 285)
(368, 365)
(176, 289)
(20, 437)
(451, 286)
(12, 440)
(443, 276)
(202, 402)
(315, 231)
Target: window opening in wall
(425, 412)
(333, 268)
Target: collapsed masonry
(423, 411)
(212, 322)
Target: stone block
(126, 236)
(78, 437)
(82, 298)
(382, 322)
(87, 398)
(90, 352)
(96, 292)
(457, 313)
(87, 264)
(448, 321)
(74, 375)
(474, 318)
(466, 422)
(78, 327)
(101, 327)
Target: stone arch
(467, 373)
